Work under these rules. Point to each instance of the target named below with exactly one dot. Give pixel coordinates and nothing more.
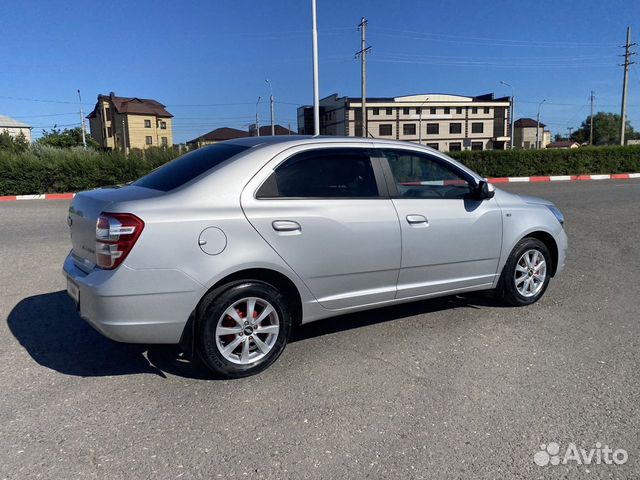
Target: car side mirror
(485, 190)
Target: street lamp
(420, 121)
(257, 118)
(273, 125)
(511, 110)
(538, 126)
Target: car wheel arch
(550, 243)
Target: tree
(67, 138)
(13, 144)
(606, 130)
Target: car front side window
(419, 175)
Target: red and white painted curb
(44, 196)
(565, 178)
(550, 178)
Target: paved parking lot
(459, 387)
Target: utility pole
(363, 67)
(257, 118)
(625, 81)
(316, 87)
(420, 120)
(82, 124)
(124, 137)
(591, 120)
(538, 126)
(271, 101)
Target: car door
(325, 211)
(451, 240)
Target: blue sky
(208, 60)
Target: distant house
(15, 128)
(524, 133)
(227, 133)
(123, 123)
(564, 144)
(217, 135)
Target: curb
(565, 178)
(551, 178)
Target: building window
(148, 140)
(474, 110)
(389, 111)
(165, 142)
(477, 127)
(385, 130)
(109, 132)
(409, 129)
(405, 111)
(459, 110)
(376, 111)
(163, 125)
(447, 110)
(486, 109)
(476, 146)
(433, 110)
(147, 124)
(455, 128)
(108, 113)
(419, 110)
(433, 129)
(433, 145)
(455, 147)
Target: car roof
(309, 139)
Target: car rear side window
(187, 167)
(323, 173)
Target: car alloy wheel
(530, 273)
(247, 330)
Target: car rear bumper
(135, 306)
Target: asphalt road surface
(459, 387)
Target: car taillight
(116, 234)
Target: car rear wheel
(526, 274)
(242, 328)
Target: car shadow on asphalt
(50, 330)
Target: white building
(445, 122)
(15, 128)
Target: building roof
(132, 106)
(563, 144)
(220, 135)
(8, 122)
(527, 122)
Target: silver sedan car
(229, 247)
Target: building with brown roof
(524, 134)
(130, 122)
(218, 135)
(227, 133)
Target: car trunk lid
(84, 212)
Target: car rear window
(187, 167)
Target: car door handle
(417, 220)
(286, 226)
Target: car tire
(232, 338)
(524, 277)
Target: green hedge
(524, 163)
(43, 169)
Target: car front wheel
(242, 328)
(527, 272)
